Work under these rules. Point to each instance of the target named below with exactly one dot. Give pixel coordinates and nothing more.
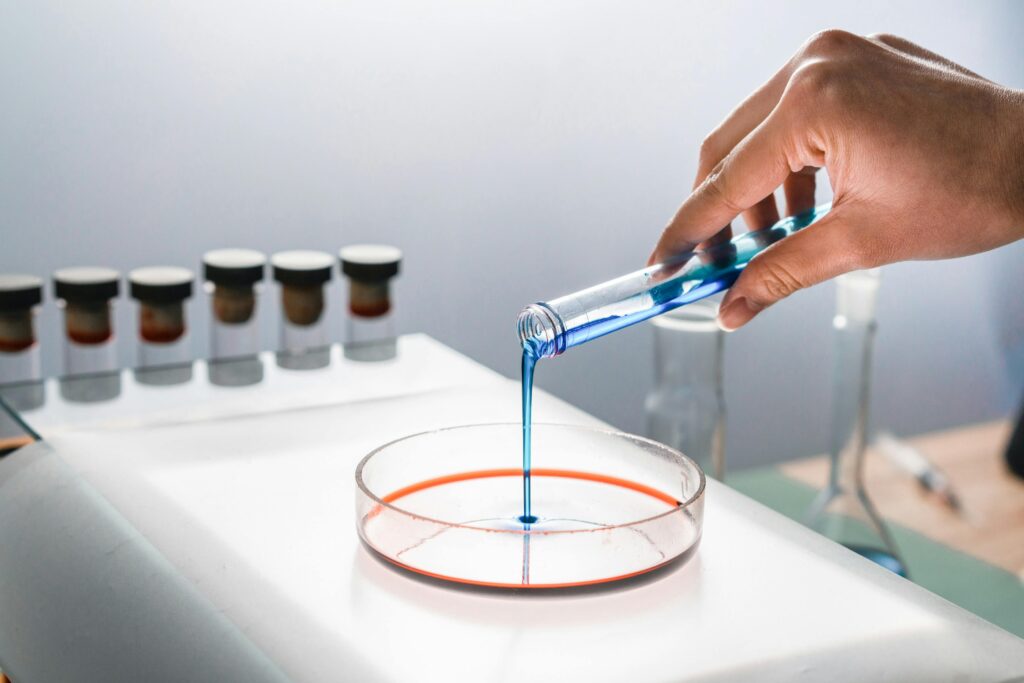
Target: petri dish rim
(680, 458)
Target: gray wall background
(515, 151)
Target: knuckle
(819, 79)
(830, 42)
(709, 154)
(716, 188)
(885, 38)
(777, 280)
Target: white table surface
(212, 538)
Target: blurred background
(514, 151)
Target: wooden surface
(991, 527)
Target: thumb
(823, 250)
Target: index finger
(750, 172)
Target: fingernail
(736, 314)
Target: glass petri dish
(610, 506)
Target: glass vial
(85, 294)
(304, 342)
(843, 511)
(19, 348)
(233, 278)
(686, 408)
(370, 323)
(90, 369)
(20, 366)
(164, 349)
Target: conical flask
(843, 511)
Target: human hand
(925, 158)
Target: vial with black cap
(86, 295)
(370, 323)
(302, 275)
(20, 295)
(162, 292)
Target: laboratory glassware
(609, 506)
(843, 511)
(232, 283)
(20, 295)
(686, 408)
(370, 323)
(550, 328)
(164, 344)
(302, 275)
(86, 294)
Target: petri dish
(609, 505)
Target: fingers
(749, 173)
(821, 251)
(763, 214)
(799, 190)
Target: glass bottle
(370, 323)
(21, 378)
(233, 278)
(843, 511)
(686, 408)
(164, 345)
(90, 371)
(550, 328)
(302, 275)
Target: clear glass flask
(686, 408)
(550, 328)
(20, 363)
(370, 323)
(843, 511)
(302, 276)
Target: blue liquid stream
(716, 270)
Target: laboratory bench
(186, 530)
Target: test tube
(20, 367)
(304, 343)
(162, 292)
(370, 324)
(550, 328)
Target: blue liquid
(529, 362)
(717, 270)
(881, 558)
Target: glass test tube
(550, 328)
(20, 366)
(90, 367)
(686, 408)
(164, 340)
(233, 278)
(370, 323)
(304, 342)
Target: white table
(211, 537)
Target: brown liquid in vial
(88, 323)
(16, 330)
(162, 323)
(233, 305)
(368, 299)
(303, 304)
